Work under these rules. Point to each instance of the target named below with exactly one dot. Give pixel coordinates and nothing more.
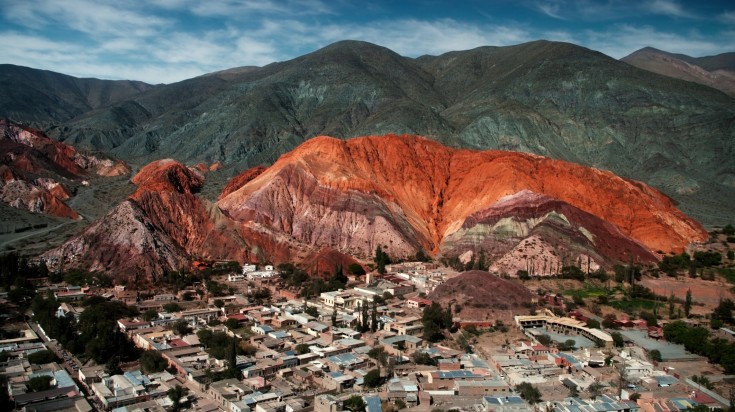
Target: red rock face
(241, 180)
(33, 164)
(408, 192)
(161, 227)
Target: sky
(165, 41)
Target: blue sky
(163, 41)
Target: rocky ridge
(37, 171)
(406, 193)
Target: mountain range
(402, 193)
(717, 72)
(554, 99)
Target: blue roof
(372, 404)
(458, 374)
(343, 359)
(137, 378)
(504, 400)
(666, 380)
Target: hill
(717, 72)
(42, 97)
(404, 193)
(479, 292)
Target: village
(363, 347)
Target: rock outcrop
(411, 193)
(330, 198)
(33, 165)
(160, 227)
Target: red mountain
(33, 165)
(407, 193)
(160, 227)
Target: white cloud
(550, 9)
(668, 8)
(96, 18)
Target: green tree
(152, 361)
(39, 383)
(355, 404)
(112, 367)
(593, 323)
(302, 348)
(172, 307)
(656, 355)
(42, 357)
(334, 317)
(374, 317)
(618, 340)
(150, 314)
(544, 339)
(423, 358)
(219, 303)
(688, 303)
(181, 327)
(595, 390)
(381, 259)
(356, 269)
(529, 392)
(372, 379)
(176, 394)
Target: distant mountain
(43, 97)
(36, 172)
(717, 72)
(554, 99)
(404, 193)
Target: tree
(172, 307)
(595, 390)
(356, 269)
(374, 317)
(656, 355)
(39, 383)
(381, 259)
(688, 303)
(378, 353)
(364, 316)
(152, 361)
(608, 321)
(334, 317)
(354, 404)
(593, 323)
(618, 340)
(423, 358)
(372, 379)
(150, 314)
(112, 367)
(219, 303)
(232, 323)
(302, 348)
(529, 392)
(181, 327)
(175, 394)
(41, 357)
(544, 339)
